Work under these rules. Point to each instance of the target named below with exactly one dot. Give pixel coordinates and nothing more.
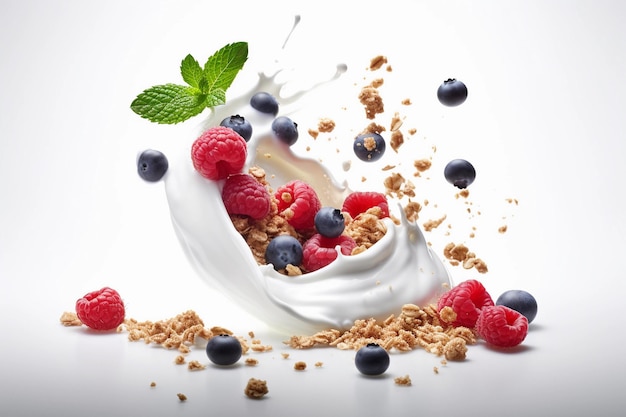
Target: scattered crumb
(422, 165)
(179, 360)
(299, 366)
(433, 223)
(435, 370)
(377, 62)
(153, 384)
(70, 319)
(403, 380)
(195, 366)
(256, 388)
(285, 355)
(326, 125)
(460, 254)
(319, 364)
(182, 397)
(502, 229)
(372, 101)
(455, 349)
(313, 133)
(397, 139)
(251, 361)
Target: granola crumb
(436, 370)
(299, 366)
(422, 165)
(70, 319)
(433, 223)
(455, 349)
(285, 355)
(182, 397)
(251, 361)
(502, 229)
(195, 366)
(403, 380)
(326, 125)
(256, 388)
(397, 140)
(313, 133)
(377, 62)
(152, 384)
(372, 101)
(319, 364)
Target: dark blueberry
(459, 173)
(152, 165)
(240, 125)
(223, 349)
(329, 222)
(452, 92)
(372, 359)
(265, 103)
(285, 129)
(282, 251)
(520, 301)
(369, 147)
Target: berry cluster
(220, 154)
(503, 324)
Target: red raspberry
(319, 251)
(502, 326)
(298, 204)
(101, 310)
(219, 152)
(360, 201)
(466, 299)
(243, 194)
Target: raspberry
(319, 251)
(101, 310)
(466, 299)
(360, 201)
(502, 326)
(244, 195)
(298, 204)
(218, 153)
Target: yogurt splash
(400, 268)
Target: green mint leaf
(216, 98)
(221, 69)
(191, 71)
(169, 103)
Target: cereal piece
(251, 361)
(396, 122)
(70, 319)
(326, 125)
(412, 209)
(462, 255)
(377, 62)
(397, 139)
(299, 366)
(372, 101)
(433, 223)
(403, 380)
(455, 349)
(195, 366)
(422, 165)
(256, 388)
(182, 397)
(179, 360)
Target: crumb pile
(414, 327)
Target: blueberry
(459, 173)
(265, 103)
(372, 359)
(369, 147)
(285, 129)
(240, 125)
(223, 349)
(520, 301)
(452, 92)
(329, 222)
(282, 251)
(152, 165)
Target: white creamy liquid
(398, 269)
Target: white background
(544, 123)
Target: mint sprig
(206, 87)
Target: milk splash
(398, 269)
